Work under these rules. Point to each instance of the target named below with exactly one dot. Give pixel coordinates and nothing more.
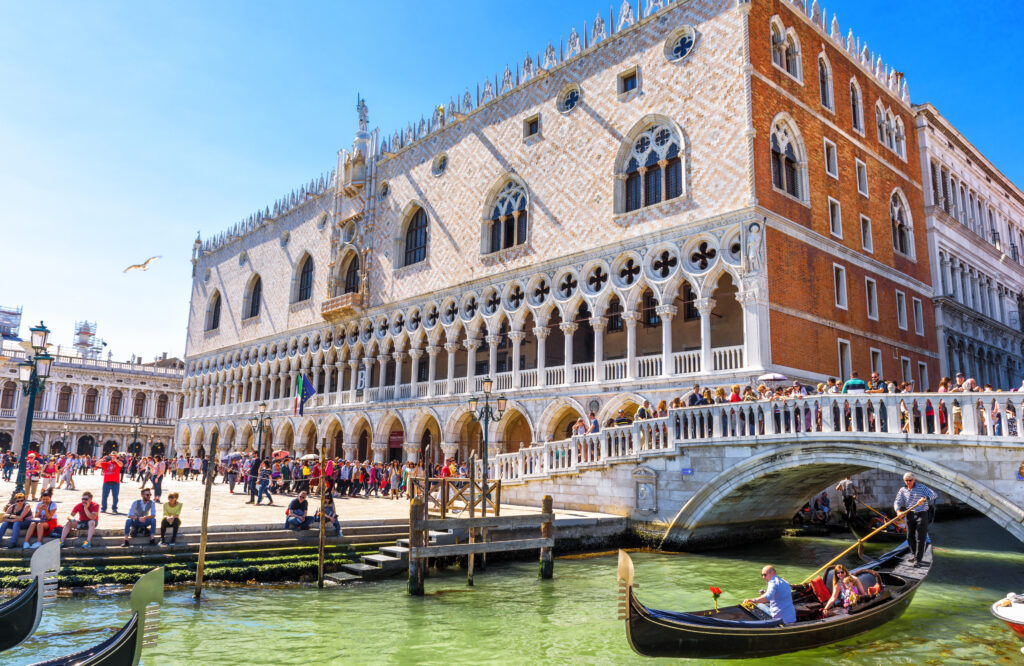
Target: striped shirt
(906, 498)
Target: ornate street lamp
(258, 422)
(135, 435)
(33, 373)
(486, 415)
(64, 432)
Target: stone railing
(80, 417)
(954, 417)
(63, 361)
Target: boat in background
(20, 616)
(1011, 611)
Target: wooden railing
(454, 496)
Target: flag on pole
(304, 390)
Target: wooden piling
(323, 517)
(416, 540)
(211, 472)
(472, 514)
(547, 563)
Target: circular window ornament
(439, 165)
(569, 99)
(384, 190)
(681, 43)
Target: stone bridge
(739, 471)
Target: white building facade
(975, 220)
(88, 406)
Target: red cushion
(820, 591)
(874, 589)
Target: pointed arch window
(416, 238)
(792, 57)
(213, 312)
(787, 162)
(825, 83)
(255, 300)
(352, 276)
(856, 108)
(778, 47)
(902, 236)
(653, 169)
(507, 225)
(305, 286)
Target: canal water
(512, 617)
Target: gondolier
(909, 497)
(849, 491)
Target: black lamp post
(135, 435)
(64, 432)
(33, 373)
(258, 422)
(485, 415)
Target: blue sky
(126, 127)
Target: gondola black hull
(734, 633)
(118, 650)
(861, 530)
(18, 617)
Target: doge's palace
(645, 207)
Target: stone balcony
(343, 306)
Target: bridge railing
(953, 416)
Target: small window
(439, 165)
(531, 126)
(680, 44)
(305, 289)
(845, 361)
(416, 238)
(905, 369)
(922, 376)
(825, 83)
(918, 316)
(569, 99)
(255, 298)
(862, 178)
(856, 110)
(831, 160)
(866, 242)
(871, 290)
(213, 313)
(901, 310)
(628, 81)
(876, 361)
(835, 218)
(839, 283)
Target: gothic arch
(788, 158)
(640, 181)
(505, 219)
(555, 409)
(413, 220)
(303, 278)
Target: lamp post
(64, 432)
(486, 415)
(258, 422)
(33, 373)
(135, 435)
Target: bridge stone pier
(738, 472)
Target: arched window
(653, 169)
(856, 109)
(304, 289)
(7, 398)
(792, 56)
(507, 224)
(778, 47)
(213, 312)
(825, 82)
(115, 403)
(900, 138)
(64, 400)
(352, 276)
(787, 161)
(890, 131)
(416, 238)
(90, 401)
(140, 404)
(254, 301)
(161, 407)
(880, 122)
(902, 237)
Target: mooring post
(323, 516)
(547, 563)
(415, 541)
(472, 514)
(211, 472)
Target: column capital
(493, 340)
(434, 350)
(353, 363)
(452, 347)
(569, 327)
(472, 344)
(397, 356)
(541, 332)
(382, 358)
(704, 305)
(599, 323)
(517, 336)
(631, 317)
(368, 360)
(415, 353)
(666, 311)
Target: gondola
(124, 648)
(745, 632)
(862, 528)
(20, 616)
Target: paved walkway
(227, 509)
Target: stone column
(541, 332)
(414, 371)
(946, 276)
(704, 307)
(379, 449)
(382, 373)
(666, 312)
(339, 367)
(398, 356)
(348, 449)
(449, 449)
(412, 451)
(517, 338)
(599, 324)
(492, 356)
(568, 328)
(630, 318)
(451, 348)
(472, 344)
(993, 311)
(353, 370)
(432, 352)
(956, 279)
(368, 367)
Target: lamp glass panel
(25, 372)
(502, 403)
(488, 384)
(263, 408)
(39, 335)
(44, 362)
(472, 403)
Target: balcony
(343, 306)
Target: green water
(512, 617)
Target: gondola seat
(821, 591)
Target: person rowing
(915, 499)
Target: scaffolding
(10, 322)
(86, 343)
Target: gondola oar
(860, 541)
(880, 514)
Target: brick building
(687, 192)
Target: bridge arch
(765, 491)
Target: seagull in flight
(144, 266)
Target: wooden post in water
(547, 564)
(211, 472)
(323, 516)
(472, 514)
(416, 540)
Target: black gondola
(862, 528)
(20, 616)
(746, 632)
(124, 648)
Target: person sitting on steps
(141, 515)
